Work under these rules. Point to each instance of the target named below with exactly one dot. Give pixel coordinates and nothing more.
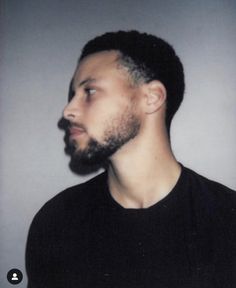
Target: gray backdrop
(40, 44)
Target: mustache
(72, 125)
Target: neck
(143, 172)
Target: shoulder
(211, 199)
(80, 192)
(208, 188)
(78, 199)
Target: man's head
(147, 58)
(103, 109)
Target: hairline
(123, 64)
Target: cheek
(99, 118)
(100, 114)
(100, 111)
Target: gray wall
(40, 44)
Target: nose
(71, 110)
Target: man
(147, 221)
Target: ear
(155, 96)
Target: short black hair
(147, 58)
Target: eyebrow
(86, 81)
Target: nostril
(67, 113)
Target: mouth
(76, 131)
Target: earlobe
(155, 96)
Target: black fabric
(83, 238)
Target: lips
(76, 131)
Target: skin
(143, 170)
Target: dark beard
(98, 153)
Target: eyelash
(88, 91)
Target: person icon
(14, 277)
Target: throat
(142, 190)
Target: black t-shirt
(84, 238)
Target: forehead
(97, 66)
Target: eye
(89, 91)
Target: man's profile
(147, 221)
